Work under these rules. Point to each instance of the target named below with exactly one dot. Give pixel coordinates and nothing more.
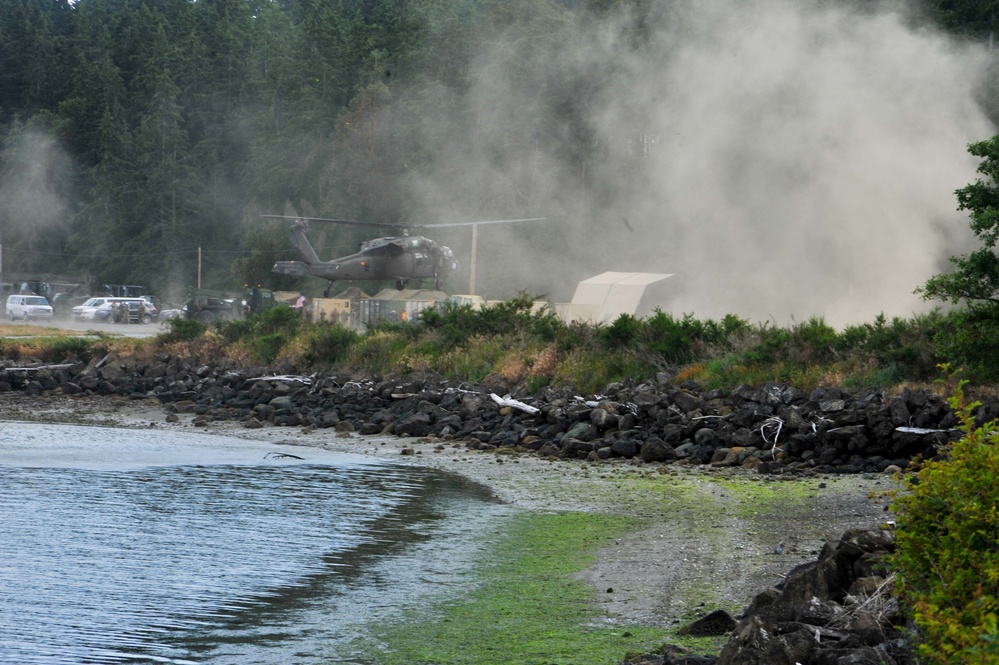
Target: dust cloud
(782, 159)
(35, 196)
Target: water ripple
(183, 563)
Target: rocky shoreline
(776, 429)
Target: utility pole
(471, 264)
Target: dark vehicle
(207, 305)
(63, 303)
(401, 258)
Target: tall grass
(514, 343)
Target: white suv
(27, 307)
(87, 309)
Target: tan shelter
(605, 297)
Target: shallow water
(131, 546)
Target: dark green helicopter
(401, 258)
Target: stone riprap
(837, 610)
(775, 429)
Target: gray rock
(281, 402)
(657, 450)
(718, 622)
(625, 448)
(584, 431)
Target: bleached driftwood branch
(516, 404)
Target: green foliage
(975, 277)
(475, 361)
(235, 330)
(590, 370)
(377, 353)
(182, 330)
(278, 319)
(456, 324)
(328, 344)
(623, 332)
(507, 339)
(49, 349)
(948, 546)
(536, 383)
(267, 347)
(58, 349)
(284, 320)
(681, 340)
(970, 339)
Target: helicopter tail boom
(302, 244)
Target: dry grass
(546, 362)
(9, 330)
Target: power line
(29, 252)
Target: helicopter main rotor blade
(492, 221)
(337, 221)
(403, 227)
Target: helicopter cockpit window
(421, 260)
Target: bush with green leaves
(328, 344)
(947, 550)
(456, 324)
(970, 339)
(182, 330)
(267, 347)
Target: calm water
(125, 546)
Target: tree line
(134, 132)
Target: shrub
(623, 332)
(970, 339)
(814, 341)
(235, 330)
(62, 348)
(277, 320)
(948, 546)
(456, 324)
(182, 330)
(377, 352)
(328, 344)
(267, 347)
(673, 339)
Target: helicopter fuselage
(396, 258)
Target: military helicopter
(402, 258)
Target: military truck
(207, 305)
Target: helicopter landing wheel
(400, 284)
(439, 284)
(326, 293)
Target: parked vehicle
(207, 305)
(27, 307)
(148, 309)
(87, 309)
(101, 309)
(63, 303)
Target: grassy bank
(528, 608)
(511, 345)
(532, 606)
